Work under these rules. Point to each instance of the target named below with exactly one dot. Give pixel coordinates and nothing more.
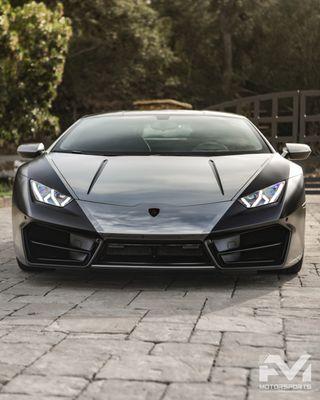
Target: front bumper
(73, 237)
(274, 245)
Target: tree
(195, 43)
(210, 40)
(237, 21)
(118, 54)
(285, 54)
(33, 45)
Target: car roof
(167, 112)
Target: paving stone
(46, 385)
(97, 309)
(230, 376)
(77, 357)
(302, 326)
(29, 299)
(8, 371)
(227, 307)
(238, 350)
(4, 332)
(297, 345)
(253, 339)
(172, 315)
(30, 288)
(289, 281)
(112, 297)
(288, 312)
(36, 314)
(21, 353)
(198, 352)
(204, 391)
(154, 368)
(162, 332)
(123, 390)
(245, 356)
(27, 336)
(8, 309)
(7, 255)
(6, 297)
(259, 281)
(154, 334)
(12, 396)
(7, 284)
(309, 274)
(167, 299)
(253, 297)
(301, 297)
(76, 294)
(239, 324)
(288, 395)
(98, 336)
(150, 280)
(89, 322)
(207, 337)
(208, 281)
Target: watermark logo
(273, 365)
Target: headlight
(49, 196)
(264, 196)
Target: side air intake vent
(47, 245)
(255, 247)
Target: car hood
(154, 180)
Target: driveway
(155, 335)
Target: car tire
(294, 269)
(26, 268)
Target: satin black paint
(196, 196)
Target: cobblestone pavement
(154, 335)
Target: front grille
(251, 248)
(55, 246)
(153, 253)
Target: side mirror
(296, 151)
(31, 150)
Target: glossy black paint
(197, 197)
(26, 210)
(293, 197)
(173, 180)
(171, 220)
(277, 169)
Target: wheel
(25, 268)
(294, 269)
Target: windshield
(162, 134)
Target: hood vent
(216, 175)
(154, 181)
(97, 174)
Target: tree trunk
(227, 54)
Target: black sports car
(160, 189)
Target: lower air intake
(147, 253)
(255, 247)
(54, 246)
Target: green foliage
(198, 51)
(33, 45)
(285, 54)
(5, 188)
(200, 31)
(118, 54)
(194, 40)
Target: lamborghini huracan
(160, 189)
